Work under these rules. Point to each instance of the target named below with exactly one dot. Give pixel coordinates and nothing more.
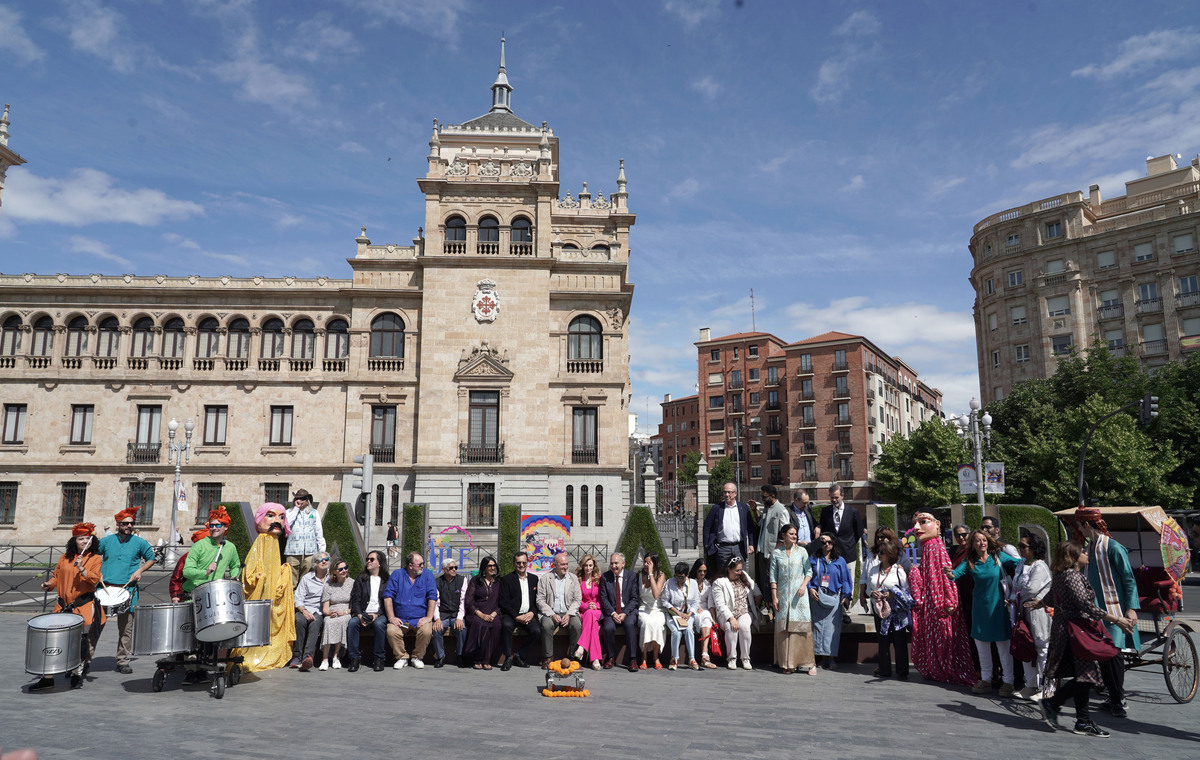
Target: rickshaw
(1158, 552)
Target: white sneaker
(732, 665)
(324, 665)
(337, 664)
(400, 665)
(746, 665)
(1027, 692)
(418, 664)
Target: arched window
(143, 338)
(395, 503)
(584, 339)
(583, 506)
(237, 346)
(387, 336)
(43, 337)
(173, 336)
(10, 339)
(272, 339)
(108, 338)
(379, 494)
(489, 230)
(456, 229)
(522, 230)
(304, 339)
(208, 344)
(599, 506)
(77, 336)
(600, 251)
(337, 339)
(571, 504)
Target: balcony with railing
(333, 365)
(773, 406)
(806, 395)
(236, 364)
(268, 365)
(1187, 300)
(383, 453)
(1117, 349)
(1112, 311)
(204, 365)
(385, 364)
(807, 422)
(845, 475)
(585, 366)
(475, 454)
(584, 455)
(774, 455)
(142, 453)
(520, 249)
(72, 362)
(172, 363)
(774, 430)
(300, 365)
(845, 448)
(487, 249)
(842, 419)
(841, 393)
(1149, 306)
(454, 247)
(1154, 347)
(841, 366)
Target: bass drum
(163, 629)
(219, 610)
(53, 643)
(258, 626)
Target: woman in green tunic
(985, 563)
(790, 574)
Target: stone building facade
(1066, 271)
(484, 363)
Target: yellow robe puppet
(266, 576)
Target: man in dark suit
(619, 605)
(518, 609)
(847, 527)
(727, 530)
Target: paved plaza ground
(462, 713)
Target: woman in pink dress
(940, 649)
(589, 611)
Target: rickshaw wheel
(218, 687)
(160, 678)
(235, 674)
(1179, 664)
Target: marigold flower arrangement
(564, 667)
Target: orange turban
(126, 514)
(220, 515)
(202, 533)
(83, 529)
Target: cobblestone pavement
(463, 713)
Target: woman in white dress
(702, 621)
(1031, 582)
(651, 618)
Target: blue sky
(832, 156)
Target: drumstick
(217, 561)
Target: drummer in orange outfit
(75, 577)
(266, 576)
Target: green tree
(718, 475)
(688, 468)
(920, 471)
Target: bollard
(675, 547)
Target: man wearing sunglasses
(126, 557)
(211, 558)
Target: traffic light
(1149, 409)
(366, 473)
(360, 509)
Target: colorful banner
(967, 482)
(1189, 342)
(993, 477)
(543, 536)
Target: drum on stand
(116, 600)
(258, 626)
(219, 610)
(163, 629)
(53, 643)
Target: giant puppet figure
(940, 647)
(265, 576)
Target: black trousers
(1113, 673)
(1076, 690)
(533, 633)
(893, 639)
(631, 636)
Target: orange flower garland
(564, 667)
(565, 691)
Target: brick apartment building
(679, 432)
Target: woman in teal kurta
(790, 574)
(985, 563)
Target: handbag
(826, 597)
(1021, 641)
(1090, 640)
(714, 641)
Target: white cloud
(282, 214)
(100, 31)
(437, 18)
(91, 246)
(88, 196)
(1144, 51)
(945, 185)
(266, 83)
(855, 184)
(835, 73)
(349, 146)
(685, 189)
(319, 38)
(15, 39)
(692, 12)
(166, 109)
(859, 24)
(895, 328)
(707, 87)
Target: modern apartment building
(1068, 270)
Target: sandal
(708, 664)
(487, 667)
(642, 666)
(478, 666)
(812, 671)
(657, 665)
(674, 665)
(693, 665)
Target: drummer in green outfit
(211, 558)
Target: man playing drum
(213, 557)
(126, 557)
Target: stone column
(701, 485)
(650, 482)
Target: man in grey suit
(558, 600)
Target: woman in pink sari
(589, 611)
(940, 649)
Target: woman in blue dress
(985, 563)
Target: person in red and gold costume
(74, 578)
(940, 646)
(266, 576)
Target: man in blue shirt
(409, 601)
(126, 557)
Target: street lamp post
(177, 453)
(975, 429)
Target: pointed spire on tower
(4, 126)
(620, 198)
(435, 142)
(501, 89)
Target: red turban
(202, 533)
(83, 529)
(126, 514)
(1093, 517)
(220, 515)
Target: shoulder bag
(1090, 640)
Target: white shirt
(524, 596)
(373, 600)
(837, 516)
(731, 525)
(560, 595)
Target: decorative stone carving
(483, 362)
(522, 169)
(616, 317)
(568, 202)
(599, 202)
(486, 303)
(489, 168)
(456, 169)
(256, 330)
(189, 330)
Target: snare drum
(258, 626)
(116, 600)
(53, 643)
(219, 610)
(163, 629)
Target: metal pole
(177, 452)
(977, 439)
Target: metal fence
(683, 527)
(24, 568)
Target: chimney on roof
(1094, 195)
(666, 397)
(1160, 165)
(705, 334)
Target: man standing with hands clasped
(846, 525)
(727, 529)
